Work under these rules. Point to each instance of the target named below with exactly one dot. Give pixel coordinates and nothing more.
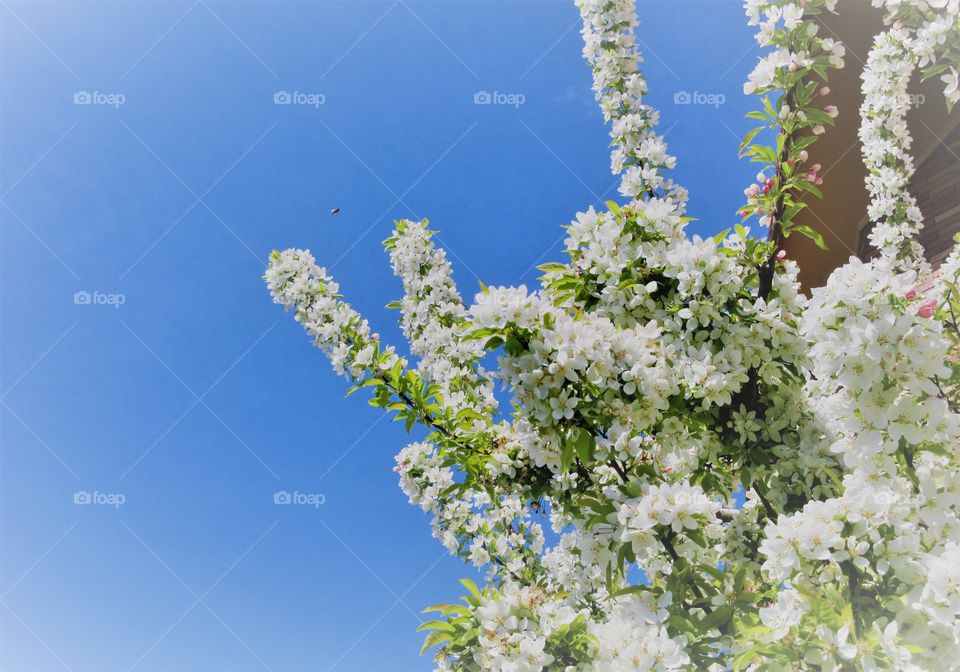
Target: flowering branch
(680, 408)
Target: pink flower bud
(831, 111)
(825, 91)
(803, 155)
(910, 295)
(927, 308)
(781, 255)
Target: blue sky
(178, 396)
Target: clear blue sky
(197, 399)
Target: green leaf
(791, 211)
(566, 455)
(366, 383)
(438, 607)
(436, 625)
(513, 345)
(493, 343)
(583, 445)
(748, 137)
(696, 536)
(715, 572)
(719, 616)
(434, 638)
(803, 185)
(630, 590)
(846, 615)
(768, 108)
(805, 230)
(739, 578)
(744, 659)
(802, 142)
(472, 587)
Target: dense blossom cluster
(702, 468)
(922, 35)
(519, 625)
(472, 524)
(297, 283)
(886, 146)
(933, 24)
(432, 315)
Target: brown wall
(936, 186)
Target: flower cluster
(878, 358)
(934, 24)
(433, 317)
(886, 141)
(610, 48)
(920, 37)
(661, 513)
(523, 629)
(470, 524)
(297, 283)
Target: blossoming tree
(782, 469)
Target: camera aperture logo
(85, 298)
(314, 100)
(314, 499)
(114, 100)
(699, 98)
(97, 498)
(514, 100)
